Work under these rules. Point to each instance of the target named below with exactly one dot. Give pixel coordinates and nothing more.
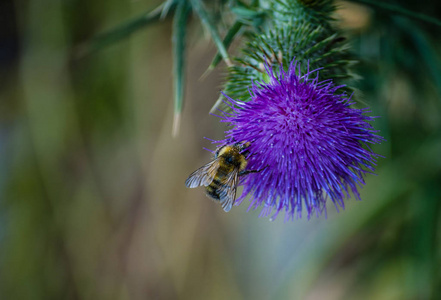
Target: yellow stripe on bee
(225, 150)
(243, 164)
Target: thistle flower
(305, 138)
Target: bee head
(241, 146)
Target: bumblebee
(221, 176)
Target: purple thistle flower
(307, 141)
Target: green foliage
(401, 10)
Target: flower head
(306, 140)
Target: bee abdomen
(216, 182)
(212, 192)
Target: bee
(220, 177)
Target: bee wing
(227, 192)
(203, 176)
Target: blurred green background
(92, 197)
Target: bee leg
(245, 172)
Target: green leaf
(200, 10)
(166, 6)
(247, 13)
(178, 39)
(426, 50)
(227, 42)
(400, 10)
(118, 33)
